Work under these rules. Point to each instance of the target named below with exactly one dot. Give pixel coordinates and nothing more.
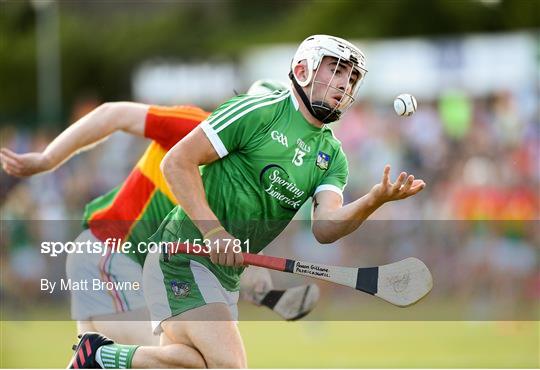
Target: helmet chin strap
(322, 111)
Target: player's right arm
(229, 128)
(83, 134)
(180, 167)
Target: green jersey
(272, 161)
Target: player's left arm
(81, 135)
(332, 220)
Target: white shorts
(184, 286)
(110, 268)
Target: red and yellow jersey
(134, 210)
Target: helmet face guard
(347, 95)
(347, 57)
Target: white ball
(405, 105)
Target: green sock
(115, 356)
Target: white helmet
(313, 50)
(265, 87)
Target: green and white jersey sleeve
(234, 124)
(336, 177)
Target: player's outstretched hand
(22, 165)
(404, 187)
(223, 251)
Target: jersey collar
(306, 122)
(294, 101)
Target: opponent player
(132, 212)
(264, 156)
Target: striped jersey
(271, 161)
(134, 210)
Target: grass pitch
(321, 344)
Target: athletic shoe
(85, 352)
(293, 303)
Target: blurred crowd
(480, 157)
(475, 225)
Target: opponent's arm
(83, 134)
(332, 221)
(180, 167)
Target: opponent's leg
(119, 315)
(291, 304)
